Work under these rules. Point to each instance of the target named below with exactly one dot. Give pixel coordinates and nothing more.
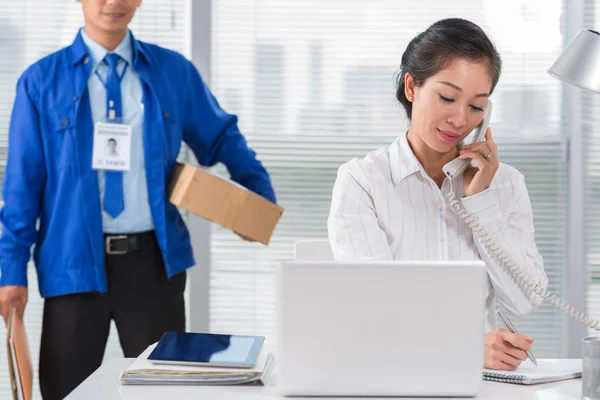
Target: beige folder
(19, 358)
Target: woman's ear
(409, 87)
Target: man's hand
(505, 350)
(10, 295)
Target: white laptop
(393, 328)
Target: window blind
(313, 85)
(590, 130)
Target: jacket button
(86, 60)
(166, 114)
(64, 122)
(75, 98)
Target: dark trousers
(141, 300)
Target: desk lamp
(579, 63)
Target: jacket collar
(79, 53)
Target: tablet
(207, 349)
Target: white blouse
(385, 207)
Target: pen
(510, 326)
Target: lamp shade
(579, 63)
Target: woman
(392, 205)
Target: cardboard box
(224, 202)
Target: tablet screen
(208, 348)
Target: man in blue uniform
(108, 244)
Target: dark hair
(112, 140)
(442, 43)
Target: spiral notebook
(548, 370)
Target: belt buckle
(108, 248)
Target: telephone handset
(458, 166)
(455, 168)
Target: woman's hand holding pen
(505, 350)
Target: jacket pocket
(64, 148)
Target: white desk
(104, 384)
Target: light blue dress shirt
(136, 216)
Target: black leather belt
(119, 244)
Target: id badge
(112, 146)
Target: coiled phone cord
(523, 280)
